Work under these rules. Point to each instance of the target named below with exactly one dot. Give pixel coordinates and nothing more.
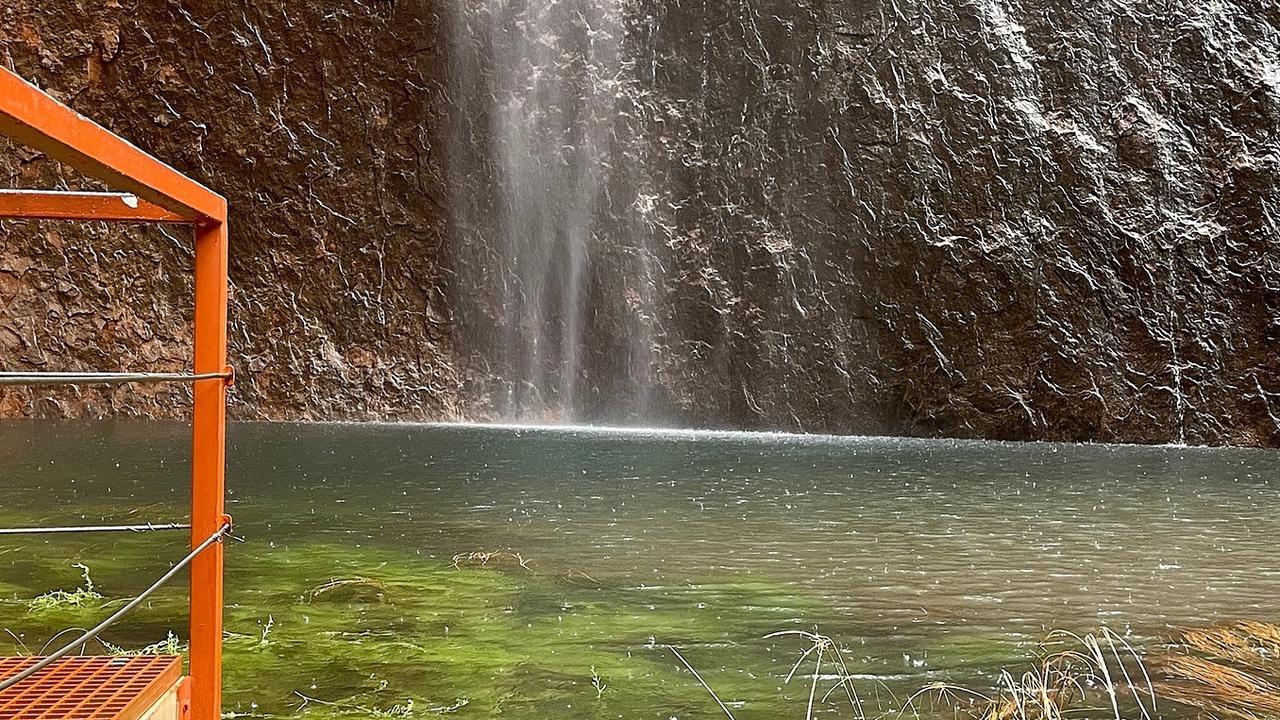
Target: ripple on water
(955, 555)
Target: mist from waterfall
(548, 203)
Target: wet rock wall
(1018, 220)
(1036, 219)
(318, 121)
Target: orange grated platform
(88, 688)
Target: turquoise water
(394, 570)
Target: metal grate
(88, 688)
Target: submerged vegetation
(346, 632)
(479, 635)
(82, 596)
(486, 558)
(170, 645)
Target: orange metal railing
(148, 191)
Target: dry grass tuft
(1227, 671)
(1094, 675)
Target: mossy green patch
(348, 633)
(324, 631)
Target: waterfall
(547, 206)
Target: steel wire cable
(147, 527)
(102, 378)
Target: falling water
(547, 186)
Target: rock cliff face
(319, 122)
(1022, 220)
(1002, 219)
(997, 219)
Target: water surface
(482, 572)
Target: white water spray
(560, 181)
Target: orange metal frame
(150, 192)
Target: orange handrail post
(209, 429)
(149, 191)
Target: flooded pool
(393, 570)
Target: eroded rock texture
(318, 121)
(999, 219)
(1031, 220)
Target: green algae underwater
(416, 571)
(331, 632)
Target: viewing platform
(140, 687)
(63, 685)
